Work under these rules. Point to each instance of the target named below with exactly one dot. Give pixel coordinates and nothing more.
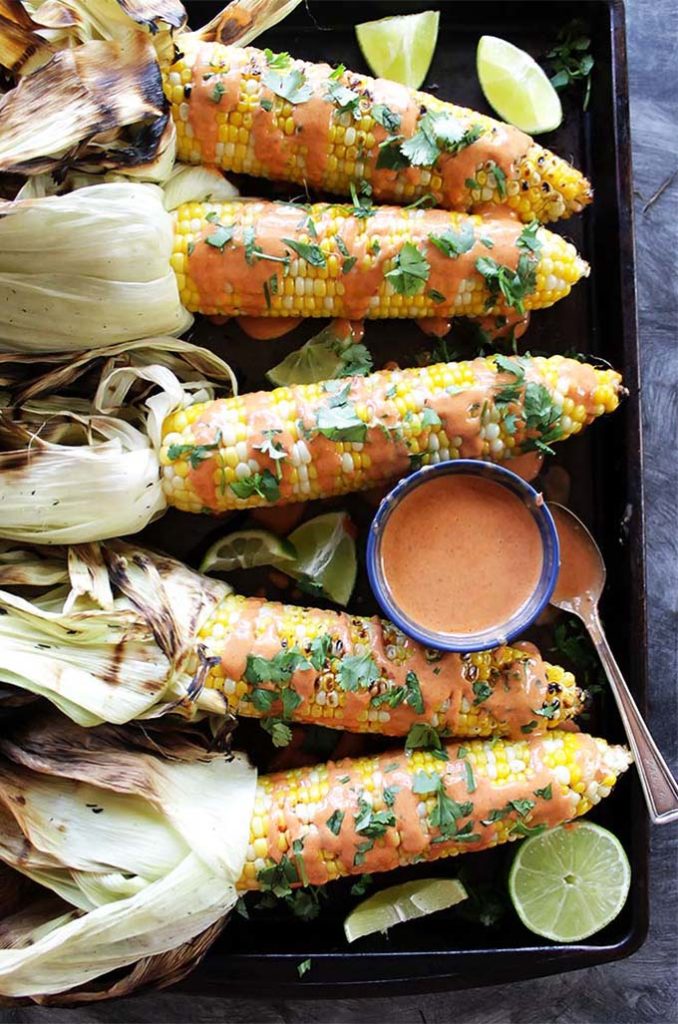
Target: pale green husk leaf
(87, 269)
(146, 848)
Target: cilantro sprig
(572, 62)
(410, 272)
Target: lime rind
(570, 882)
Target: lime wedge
(569, 882)
(320, 554)
(403, 902)
(400, 48)
(246, 549)
(516, 87)
(326, 560)
(331, 353)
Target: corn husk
(87, 269)
(110, 636)
(78, 470)
(141, 844)
(91, 71)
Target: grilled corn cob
(266, 115)
(252, 258)
(173, 640)
(319, 440)
(312, 825)
(364, 675)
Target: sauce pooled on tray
(461, 554)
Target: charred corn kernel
(269, 246)
(351, 843)
(403, 418)
(382, 701)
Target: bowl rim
(520, 620)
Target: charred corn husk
(312, 825)
(136, 635)
(364, 675)
(256, 258)
(348, 435)
(267, 115)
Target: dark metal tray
(260, 956)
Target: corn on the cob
(253, 258)
(319, 440)
(312, 825)
(265, 115)
(364, 675)
(173, 641)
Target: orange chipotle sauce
(580, 578)
(461, 554)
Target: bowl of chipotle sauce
(463, 555)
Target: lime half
(246, 549)
(569, 882)
(404, 902)
(326, 559)
(400, 48)
(516, 87)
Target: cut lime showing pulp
(569, 882)
(246, 549)
(326, 557)
(402, 903)
(400, 48)
(516, 87)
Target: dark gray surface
(643, 988)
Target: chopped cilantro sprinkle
(292, 86)
(334, 822)
(358, 671)
(310, 252)
(410, 272)
(263, 484)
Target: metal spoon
(578, 589)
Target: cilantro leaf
(292, 86)
(386, 117)
(424, 737)
(371, 823)
(278, 61)
(264, 484)
(482, 692)
(549, 710)
(454, 243)
(312, 253)
(320, 651)
(360, 887)
(513, 285)
(219, 238)
(217, 92)
(196, 453)
(358, 671)
(410, 272)
(546, 793)
(280, 733)
(390, 156)
(345, 99)
(438, 133)
(341, 423)
(335, 820)
(278, 669)
(304, 967)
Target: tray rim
(507, 964)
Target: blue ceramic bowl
(523, 618)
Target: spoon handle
(659, 786)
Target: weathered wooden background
(643, 988)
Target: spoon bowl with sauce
(462, 555)
(580, 583)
